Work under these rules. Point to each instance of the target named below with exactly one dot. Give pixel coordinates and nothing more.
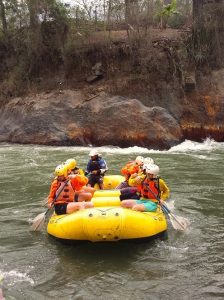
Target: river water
(187, 265)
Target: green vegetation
(42, 39)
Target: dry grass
(121, 35)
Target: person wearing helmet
(96, 169)
(128, 192)
(72, 167)
(148, 160)
(137, 177)
(85, 192)
(62, 192)
(152, 190)
(139, 160)
(126, 175)
(138, 172)
(126, 171)
(130, 171)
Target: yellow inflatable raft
(107, 222)
(111, 181)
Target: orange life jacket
(130, 168)
(67, 195)
(149, 189)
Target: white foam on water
(187, 146)
(203, 157)
(190, 146)
(175, 252)
(131, 150)
(13, 276)
(184, 147)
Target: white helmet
(93, 152)
(151, 169)
(148, 160)
(139, 160)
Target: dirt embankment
(142, 92)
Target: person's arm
(87, 171)
(78, 182)
(103, 166)
(136, 179)
(165, 192)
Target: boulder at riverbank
(148, 94)
(66, 118)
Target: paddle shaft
(56, 197)
(165, 208)
(39, 220)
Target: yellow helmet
(71, 163)
(61, 170)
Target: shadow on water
(87, 270)
(110, 254)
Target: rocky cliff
(141, 96)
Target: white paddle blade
(179, 223)
(170, 205)
(38, 222)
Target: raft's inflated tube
(107, 193)
(106, 201)
(107, 224)
(111, 181)
(107, 221)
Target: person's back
(96, 169)
(128, 192)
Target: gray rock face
(66, 118)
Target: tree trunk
(197, 9)
(127, 11)
(208, 33)
(3, 17)
(33, 7)
(109, 16)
